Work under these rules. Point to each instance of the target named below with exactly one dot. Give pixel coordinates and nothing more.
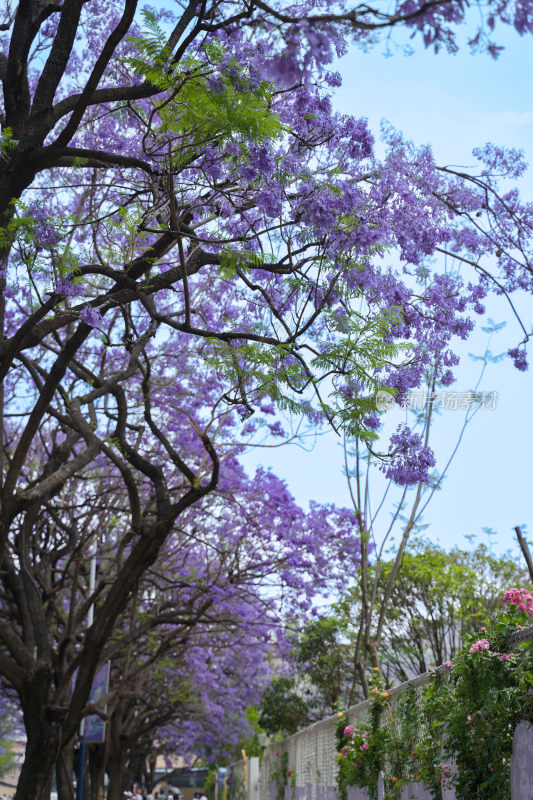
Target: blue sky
(454, 103)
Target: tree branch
(98, 70)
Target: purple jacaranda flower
(91, 316)
(519, 358)
(65, 287)
(44, 232)
(410, 461)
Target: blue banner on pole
(94, 727)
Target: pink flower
(468, 719)
(520, 598)
(481, 644)
(364, 746)
(505, 657)
(349, 729)
(448, 665)
(490, 767)
(483, 629)
(445, 773)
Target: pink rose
(505, 657)
(481, 644)
(468, 719)
(349, 729)
(520, 598)
(448, 665)
(364, 746)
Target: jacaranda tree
(196, 643)
(190, 234)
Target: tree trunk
(35, 781)
(97, 756)
(116, 779)
(43, 731)
(117, 758)
(150, 780)
(64, 773)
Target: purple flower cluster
(518, 354)
(44, 232)
(410, 461)
(65, 287)
(91, 316)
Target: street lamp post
(81, 751)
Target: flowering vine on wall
(458, 730)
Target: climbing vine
(458, 730)
(282, 775)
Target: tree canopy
(439, 599)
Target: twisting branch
(114, 38)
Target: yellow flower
(385, 694)
(339, 755)
(339, 714)
(376, 669)
(394, 779)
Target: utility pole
(525, 550)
